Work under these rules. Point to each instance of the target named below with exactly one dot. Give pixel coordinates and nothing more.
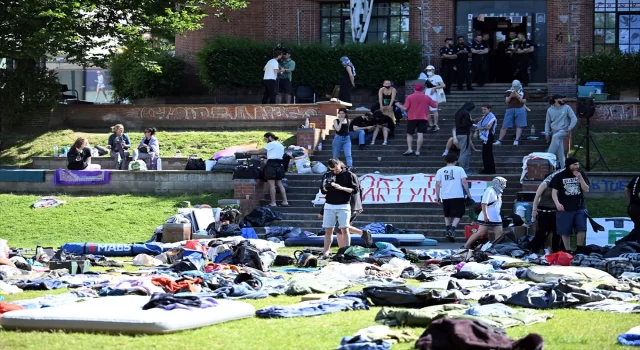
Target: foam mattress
(542, 274)
(123, 314)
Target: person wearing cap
(480, 56)
(287, 66)
(274, 169)
(436, 93)
(568, 188)
(100, 87)
(449, 56)
(417, 107)
(560, 121)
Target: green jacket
(288, 64)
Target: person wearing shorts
(568, 188)
(451, 187)
(417, 107)
(287, 66)
(274, 169)
(338, 188)
(516, 114)
(489, 218)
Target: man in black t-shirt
(524, 52)
(633, 210)
(480, 57)
(361, 128)
(568, 188)
(449, 56)
(462, 63)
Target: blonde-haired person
(148, 149)
(119, 143)
(79, 156)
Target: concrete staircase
(425, 218)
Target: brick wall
(438, 13)
(249, 192)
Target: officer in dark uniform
(480, 61)
(449, 57)
(512, 46)
(524, 53)
(462, 63)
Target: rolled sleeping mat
(113, 249)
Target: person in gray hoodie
(560, 121)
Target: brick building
(561, 30)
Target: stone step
(428, 229)
(362, 170)
(427, 150)
(437, 235)
(294, 196)
(367, 217)
(312, 188)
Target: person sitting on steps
(118, 144)
(454, 145)
(79, 156)
(148, 149)
(361, 128)
(385, 123)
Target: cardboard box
(176, 232)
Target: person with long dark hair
(544, 213)
(342, 140)
(79, 156)
(486, 130)
(148, 149)
(274, 169)
(463, 134)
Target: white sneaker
(384, 143)
(497, 142)
(515, 143)
(446, 151)
(372, 143)
(436, 128)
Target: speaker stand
(588, 139)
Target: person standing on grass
(568, 191)
(338, 188)
(287, 66)
(516, 114)
(274, 169)
(544, 213)
(632, 191)
(271, 71)
(490, 217)
(560, 121)
(486, 128)
(451, 187)
(342, 140)
(463, 135)
(417, 107)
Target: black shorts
(285, 86)
(274, 170)
(417, 125)
(453, 208)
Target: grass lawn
(616, 147)
(18, 148)
(133, 218)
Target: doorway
(498, 29)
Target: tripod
(589, 140)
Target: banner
(416, 188)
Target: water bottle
(55, 151)
(178, 154)
(533, 130)
(306, 123)
(320, 146)
(159, 164)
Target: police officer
(449, 57)
(524, 54)
(512, 44)
(462, 63)
(480, 56)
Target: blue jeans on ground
(342, 143)
(362, 136)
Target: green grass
(18, 148)
(133, 218)
(616, 147)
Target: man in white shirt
(436, 93)
(274, 169)
(451, 186)
(271, 71)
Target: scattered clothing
(6, 307)
(631, 337)
(172, 286)
(347, 302)
(611, 306)
(362, 342)
(169, 301)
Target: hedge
(233, 62)
(614, 68)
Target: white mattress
(123, 314)
(542, 274)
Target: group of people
(278, 76)
(119, 148)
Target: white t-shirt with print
(275, 150)
(493, 210)
(450, 178)
(269, 69)
(432, 92)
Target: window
(389, 23)
(616, 24)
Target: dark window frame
(605, 30)
(333, 13)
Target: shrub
(232, 62)
(26, 91)
(614, 68)
(133, 78)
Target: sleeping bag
(112, 249)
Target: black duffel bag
(194, 163)
(247, 170)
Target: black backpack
(195, 163)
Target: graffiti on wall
(617, 112)
(427, 25)
(205, 113)
(608, 185)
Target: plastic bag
(263, 216)
(303, 166)
(138, 165)
(559, 258)
(319, 168)
(228, 160)
(4, 249)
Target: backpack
(194, 163)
